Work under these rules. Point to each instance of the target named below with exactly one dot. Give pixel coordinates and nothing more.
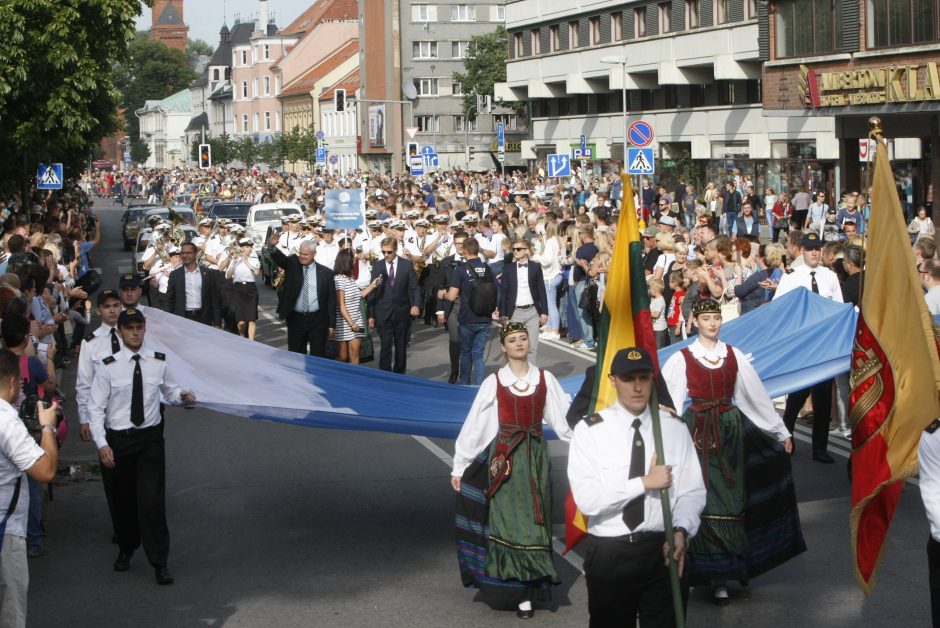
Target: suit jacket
(443, 305)
(388, 302)
(211, 310)
(508, 289)
(293, 282)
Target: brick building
(167, 24)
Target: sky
(205, 17)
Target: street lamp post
(466, 133)
(621, 61)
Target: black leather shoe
(114, 539)
(454, 376)
(823, 457)
(122, 562)
(163, 575)
(529, 614)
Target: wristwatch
(47, 426)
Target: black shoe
(529, 614)
(122, 562)
(823, 457)
(720, 596)
(454, 376)
(114, 539)
(163, 576)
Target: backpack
(482, 291)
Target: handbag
(366, 349)
(730, 310)
(588, 300)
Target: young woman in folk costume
(502, 475)
(750, 523)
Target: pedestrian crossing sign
(49, 177)
(640, 161)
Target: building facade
(848, 61)
(340, 128)
(163, 128)
(691, 68)
(167, 24)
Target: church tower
(167, 24)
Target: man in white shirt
(19, 454)
(930, 279)
(928, 453)
(817, 278)
(127, 427)
(327, 248)
(615, 480)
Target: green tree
(196, 48)
(57, 98)
(485, 64)
(222, 149)
(246, 151)
(152, 71)
(140, 151)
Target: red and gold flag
(624, 322)
(895, 375)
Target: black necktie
(814, 285)
(115, 345)
(137, 394)
(633, 511)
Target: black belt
(634, 538)
(305, 313)
(195, 312)
(525, 307)
(243, 282)
(132, 430)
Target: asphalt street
(275, 525)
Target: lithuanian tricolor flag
(895, 375)
(625, 322)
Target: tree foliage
(57, 99)
(196, 48)
(151, 71)
(246, 151)
(223, 149)
(485, 64)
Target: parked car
(233, 211)
(262, 219)
(129, 222)
(143, 241)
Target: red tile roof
(350, 83)
(305, 83)
(322, 11)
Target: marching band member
(242, 269)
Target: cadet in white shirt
(19, 454)
(615, 481)
(127, 428)
(929, 455)
(98, 345)
(160, 277)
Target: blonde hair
(656, 284)
(665, 242)
(680, 248)
(773, 254)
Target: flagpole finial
(874, 127)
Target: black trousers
(394, 336)
(306, 333)
(138, 491)
(822, 412)
(453, 338)
(629, 580)
(933, 570)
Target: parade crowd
(472, 255)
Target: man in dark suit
(392, 306)
(447, 310)
(309, 298)
(522, 297)
(192, 291)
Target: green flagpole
(667, 513)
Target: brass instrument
(278, 280)
(177, 235)
(419, 264)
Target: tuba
(177, 235)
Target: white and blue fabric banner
(794, 342)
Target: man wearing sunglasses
(393, 305)
(522, 296)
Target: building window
(426, 86)
(267, 120)
(616, 26)
(517, 44)
(554, 40)
(267, 86)
(692, 13)
(457, 89)
(665, 17)
(423, 13)
(594, 30)
(277, 120)
(509, 121)
(424, 49)
(573, 35)
(277, 85)
(463, 13)
(215, 74)
(463, 125)
(751, 9)
(639, 21)
(899, 22)
(254, 123)
(535, 34)
(244, 90)
(266, 52)
(808, 27)
(244, 57)
(500, 13)
(428, 124)
(721, 11)
(254, 88)
(458, 49)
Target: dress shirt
(388, 269)
(313, 299)
(89, 360)
(826, 281)
(214, 247)
(326, 253)
(109, 406)
(599, 473)
(523, 293)
(20, 452)
(193, 288)
(928, 453)
(242, 273)
(933, 300)
(750, 396)
(288, 242)
(482, 423)
(160, 271)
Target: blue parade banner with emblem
(275, 385)
(345, 209)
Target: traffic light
(339, 100)
(469, 153)
(205, 156)
(412, 149)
